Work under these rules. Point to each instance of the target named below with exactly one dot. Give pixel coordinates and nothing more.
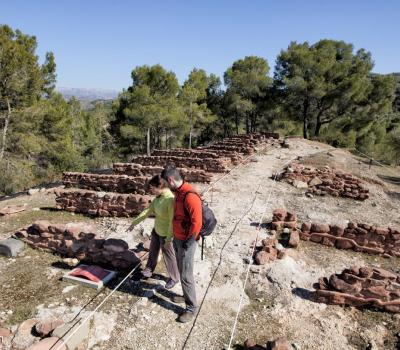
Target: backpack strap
(184, 202)
(184, 199)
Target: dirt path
(232, 199)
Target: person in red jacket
(187, 223)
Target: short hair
(157, 182)
(171, 171)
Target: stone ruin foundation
(123, 193)
(361, 287)
(137, 170)
(81, 241)
(219, 165)
(325, 181)
(110, 183)
(356, 236)
(100, 203)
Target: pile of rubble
(80, 241)
(269, 250)
(123, 193)
(278, 344)
(357, 236)
(361, 286)
(325, 181)
(286, 221)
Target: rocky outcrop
(361, 287)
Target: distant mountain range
(83, 94)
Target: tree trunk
(305, 119)
(190, 125)
(247, 125)
(237, 124)
(148, 142)
(6, 123)
(317, 127)
(190, 133)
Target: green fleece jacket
(162, 207)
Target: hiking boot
(185, 317)
(147, 273)
(178, 299)
(170, 284)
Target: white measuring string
(63, 341)
(251, 258)
(381, 164)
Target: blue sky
(98, 43)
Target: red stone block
(279, 214)
(322, 228)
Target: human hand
(188, 242)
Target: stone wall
(184, 152)
(81, 241)
(134, 169)
(247, 150)
(359, 237)
(325, 181)
(101, 203)
(361, 287)
(208, 164)
(109, 183)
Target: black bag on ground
(209, 220)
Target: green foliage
(325, 91)
(247, 84)
(147, 108)
(193, 98)
(326, 81)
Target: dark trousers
(158, 242)
(185, 259)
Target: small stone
(10, 247)
(33, 191)
(300, 184)
(262, 258)
(4, 333)
(23, 337)
(52, 343)
(294, 239)
(315, 181)
(45, 327)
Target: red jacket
(184, 225)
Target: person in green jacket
(162, 207)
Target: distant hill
(83, 94)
